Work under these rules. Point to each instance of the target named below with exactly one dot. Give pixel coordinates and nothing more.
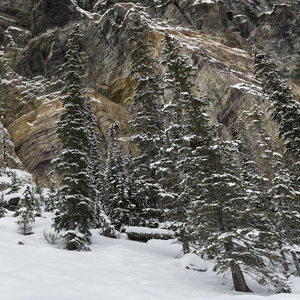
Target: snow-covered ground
(31, 269)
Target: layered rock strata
(214, 34)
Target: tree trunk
(296, 262)
(71, 245)
(285, 264)
(185, 244)
(238, 279)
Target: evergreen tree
(168, 179)
(2, 206)
(284, 109)
(36, 203)
(76, 214)
(24, 212)
(147, 124)
(135, 207)
(285, 205)
(228, 226)
(15, 183)
(186, 113)
(39, 191)
(51, 199)
(212, 196)
(116, 202)
(270, 201)
(95, 156)
(252, 175)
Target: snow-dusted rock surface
(217, 35)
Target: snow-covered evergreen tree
(39, 199)
(15, 183)
(279, 188)
(25, 212)
(35, 199)
(285, 205)
(168, 179)
(284, 109)
(251, 171)
(39, 191)
(2, 204)
(229, 227)
(51, 198)
(184, 134)
(147, 124)
(212, 196)
(76, 215)
(116, 201)
(96, 161)
(208, 185)
(135, 206)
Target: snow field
(114, 269)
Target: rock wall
(216, 35)
(8, 157)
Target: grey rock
(49, 14)
(216, 36)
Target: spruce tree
(184, 132)
(15, 183)
(285, 205)
(116, 202)
(97, 179)
(2, 206)
(25, 212)
(268, 201)
(284, 109)
(36, 203)
(76, 214)
(51, 198)
(38, 198)
(168, 179)
(212, 196)
(252, 175)
(135, 207)
(147, 124)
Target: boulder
(12, 203)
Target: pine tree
(284, 109)
(39, 191)
(36, 202)
(116, 202)
(268, 201)
(212, 196)
(76, 208)
(15, 183)
(252, 175)
(95, 156)
(147, 124)
(168, 179)
(51, 199)
(25, 212)
(2, 206)
(285, 204)
(135, 207)
(284, 198)
(186, 130)
(229, 227)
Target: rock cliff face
(216, 35)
